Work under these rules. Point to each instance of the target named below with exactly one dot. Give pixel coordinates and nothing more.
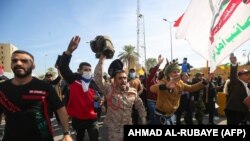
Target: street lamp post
(170, 28)
(248, 56)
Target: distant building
(5, 55)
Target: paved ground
(103, 135)
(58, 132)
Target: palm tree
(151, 62)
(129, 57)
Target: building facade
(5, 55)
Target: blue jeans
(165, 120)
(151, 110)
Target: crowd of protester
(161, 97)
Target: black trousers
(186, 108)
(235, 117)
(81, 125)
(211, 110)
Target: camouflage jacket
(119, 103)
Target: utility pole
(138, 27)
(141, 42)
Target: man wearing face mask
(134, 83)
(82, 94)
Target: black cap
(132, 70)
(48, 74)
(198, 74)
(243, 71)
(114, 67)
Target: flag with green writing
(215, 28)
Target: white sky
(45, 28)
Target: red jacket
(81, 104)
(151, 81)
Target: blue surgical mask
(132, 75)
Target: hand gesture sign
(73, 44)
(160, 60)
(233, 59)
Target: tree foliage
(150, 62)
(129, 56)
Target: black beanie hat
(114, 67)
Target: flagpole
(207, 76)
(170, 27)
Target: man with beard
(238, 101)
(120, 99)
(135, 82)
(24, 100)
(83, 94)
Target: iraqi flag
(178, 21)
(215, 28)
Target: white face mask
(132, 75)
(87, 74)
